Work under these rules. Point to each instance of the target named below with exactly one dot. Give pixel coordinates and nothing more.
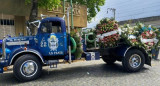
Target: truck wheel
(27, 67)
(133, 61)
(108, 60)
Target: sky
(127, 9)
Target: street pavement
(90, 73)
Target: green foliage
(79, 49)
(27, 1)
(93, 6)
(47, 4)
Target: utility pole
(71, 14)
(113, 10)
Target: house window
(6, 22)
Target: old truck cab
(29, 53)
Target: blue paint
(92, 56)
(84, 46)
(121, 50)
(43, 44)
(1, 41)
(1, 69)
(7, 50)
(2, 65)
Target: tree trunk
(33, 15)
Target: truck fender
(27, 51)
(121, 51)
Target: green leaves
(27, 1)
(47, 4)
(93, 6)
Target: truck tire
(133, 61)
(108, 60)
(27, 67)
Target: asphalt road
(90, 73)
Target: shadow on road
(98, 70)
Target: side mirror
(28, 29)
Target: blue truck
(28, 54)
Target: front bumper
(3, 63)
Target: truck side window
(44, 29)
(56, 27)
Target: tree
(93, 6)
(47, 4)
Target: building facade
(15, 13)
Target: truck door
(51, 39)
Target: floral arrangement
(148, 34)
(141, 36)
(107, 33)
(130, 35)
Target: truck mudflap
(3, 63)
(148, 61)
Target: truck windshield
(51, 27)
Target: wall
(14, 7)
(79, 14)
(6, 29)
(20, 25)
(20, 13)
(18, 8)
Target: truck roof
(54, 19)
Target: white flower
(150, 43)
(151, 32)
(130, 31)
(147, 34)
